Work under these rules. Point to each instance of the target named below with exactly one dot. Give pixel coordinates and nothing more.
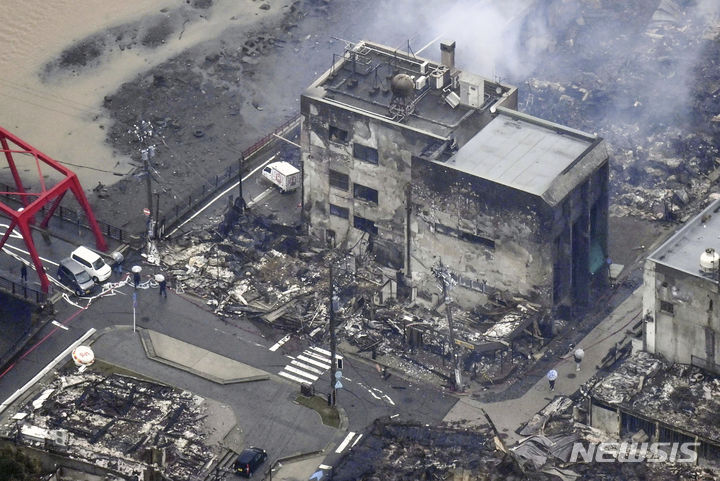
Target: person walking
(23, 272)
(163, 287)
(552, 376)
(136, 279)
(579, 354)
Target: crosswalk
(308, 366)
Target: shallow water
(62, 114)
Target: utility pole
(148, 184)
(241, 199)
(333, 347)
(441, 274)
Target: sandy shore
(62, 58)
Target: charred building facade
(425, 162)
(681, 297)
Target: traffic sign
(146, 211)
(338, 374)
(338, 385)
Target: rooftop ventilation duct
(447, 53)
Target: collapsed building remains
(650, 400)
(129, 427)
(681, 296)
(424, 162)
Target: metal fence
(74, 216)
(192, 201)
(22, 289)
(175, 212)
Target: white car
(93, 264)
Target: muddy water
(60, 112)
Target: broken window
(365, 193)
(464, 235)
(364, 224)
(476, 239)
(363, 152)
(667, 307)
(339, 180)
(338, 135)
(343, 212)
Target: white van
(93, 264)
(284, 175)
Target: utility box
(283, 174)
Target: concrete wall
(684, 311)
(390, 177)
(515, 258)
(606, 419)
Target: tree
(17, 466)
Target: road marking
(324, 466)
(388, 399)
(300, 372)
(306, 367)
(356, 440)
(326, 352)
(223, 193)
(317, 356)
(55, 323)
(313, 362)
(282, 341)
(8, 246)
(260, 196)
(294, 378)
(345, 442)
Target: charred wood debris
(251, 268)
(120, 423)
(652, 90)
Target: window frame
(363, 223)
(339, 211)
(366, 153)
(360, 189)
(336, 174)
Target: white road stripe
(282, 341)
(306, 367)
(326, 352)
(388, 399)
(55, 323)
(291, 377)
(313, 362)
(345, 442)
(232, 187)
(356, 440)
(324, 466)
(320, 357)
(300, 372)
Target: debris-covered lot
(118, 422)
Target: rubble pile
(265, 272)
(409, 451)
(651, 88)
(682, 395)
(117, 422)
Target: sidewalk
(510, 414)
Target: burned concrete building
(425, 162)
(682, 295)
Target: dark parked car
(249, 461)
(73, 275)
